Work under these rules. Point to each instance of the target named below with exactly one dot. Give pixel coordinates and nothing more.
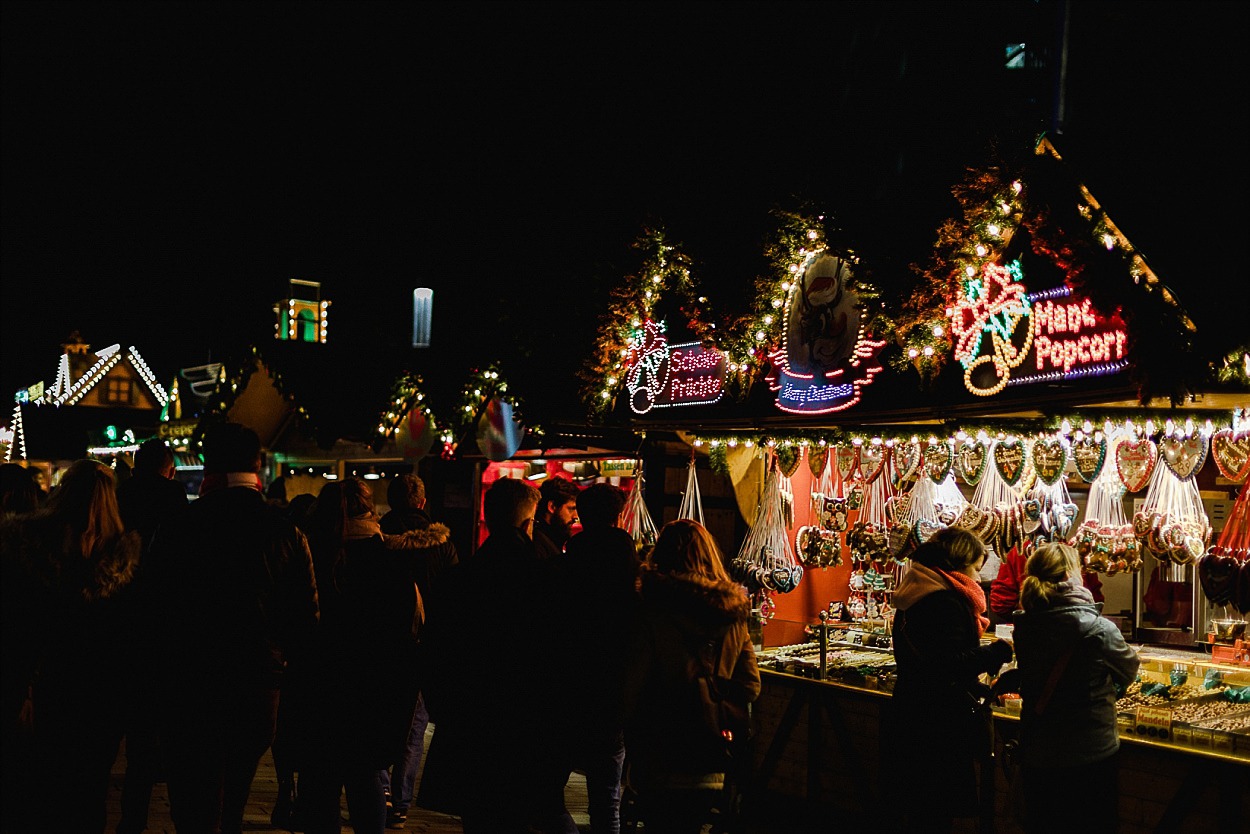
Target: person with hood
(68, 572)
(430, 554)
(692, 623)
(1071, 660)
(940, 724)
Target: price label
(1154, 722)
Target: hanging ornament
(1184, 456)
(970, 461)
(1135, 461)
(1050, 457)
(498, 434)
(907, 458)
(765, 561)
(1172, 522)
(788, 459)
(1088, 455)
(871, 460)
(846, 457)
(635, 519)
(817, 458)
(691, 502)
(938, 458)
(1232, 453)
(1009, 460)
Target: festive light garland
(483, 386)
(664, 270)
(406, 395)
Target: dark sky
(167, 167)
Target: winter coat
(427, 548)
(678, 616)
(67, 620)
(936, 733)
(1005, 589)
(234, 597)
(355, 693)
(146, 501)
(1078, 723)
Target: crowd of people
(207, 632)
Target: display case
(1181, 699)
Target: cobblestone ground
(265, 791)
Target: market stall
(1040, 383)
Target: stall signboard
(176, 429)
(1005, 335)
(663, 375)
(826, 355)
(30, 395)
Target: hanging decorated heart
(938, 459)
(1231, 453)
(871, 460)
(1009, 460)
(1184, 456)
(1050, 456)
(906, 461)
(1135, 462)
(1088, 456)
(415, 435)
(846, 457)
(817, 457)
(970, 461)
(788, 460)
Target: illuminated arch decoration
(661, 375)
(303, 317)
(826, 355)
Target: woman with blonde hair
(689, 637)
(67, 575)
(1071, 661)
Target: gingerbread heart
(1050, 456)
(1218, 576)
(938, 459)
(906, 461)
(925, 529)
(1231, 453)
(871, 460)
(1009, 460)
(817, 457)
(1135, 462)
(1088, 456)
(970, 461)
(1184, 456)
(846, 458)
(788, 459)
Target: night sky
(167, 167)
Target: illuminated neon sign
(1033, 337)
(660, 375)
(826, 355)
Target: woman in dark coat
(937, 734)
(1071, 659)
(693, 620)
(67, 572)
(356, 694)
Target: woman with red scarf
(940, 733)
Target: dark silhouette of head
(154, 457)
(231, 447)
(509, 503)
(600, 505)
(406, 492)
(19, 491)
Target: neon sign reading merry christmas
(660, 375)
(1048, 335)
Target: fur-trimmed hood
(707, 603)
(433, 536)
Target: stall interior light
(372, 476)
(330, 476)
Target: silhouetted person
(429, 554)
(236, 597)
(149, 498)
(496, 712)
(19, 491)
(67, 572)
(555, 517)
(598, 572)
(361, 679)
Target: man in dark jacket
(488, 688)
(235, 593)
(599, 571)
(430, 554)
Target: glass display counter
(1181, 699)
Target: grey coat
(1078, 724)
